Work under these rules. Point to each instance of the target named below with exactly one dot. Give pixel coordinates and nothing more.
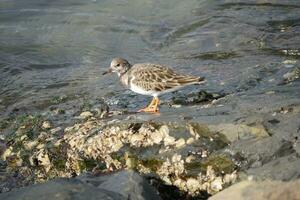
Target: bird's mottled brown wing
(153, 77)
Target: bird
(150, 79)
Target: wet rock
(192, 185)
(147, 147)
(46, 125)
(61, 189)
(101, 109)
(169, 140)
(55, 130)
(59, 111)
(121, 185)
(59, 99)
(179, 143)
(86, 114)
(29, 145)
(291, 76)
(2, 146)
(136, 140)
(190, 140)
(127, 183)
(6, 153)
(14, 161)
(195, 98)
(41, 158)
(216, 185)
(157, 136)
(235, 132)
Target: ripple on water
(48, 66)
(50, 47)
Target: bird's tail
(190, 80)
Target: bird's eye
(118, 65)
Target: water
(54, 48)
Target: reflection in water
(49, 48)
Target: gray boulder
(123, 185)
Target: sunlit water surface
(54, 48)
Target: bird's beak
(108, 71)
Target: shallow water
(54, 48)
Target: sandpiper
(150, 79)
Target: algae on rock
(148, 147)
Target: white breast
(140, 90)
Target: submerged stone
(219, 163)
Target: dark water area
(54, 48)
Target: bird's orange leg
(153, 106)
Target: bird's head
(119, 66)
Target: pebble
(55, 130)
(292, 75)
(190, 140)
(6, 153)
(289, 62)
(169, 140)
(216, 185)
(270, 92)
(46, 125)
(164, 130)
(192, 185)
(190, 158)
(30, 144)
(136, 139)
(180, 143)
(23, 137)
(86, 114)
(176, 105)
(157, 137)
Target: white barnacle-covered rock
(210, 173)
(23, 137)
(136, 140)
(190, 141)
(166, 179)
(192, 131)
(181, 184)
(69, 128)
(216, 185)
(55, 130)
(190, 158)
(42, 159)
(86, 114)
(157, 137)
(164, 171)
(230, 178)
(117, 145)
(30, 144)
(176, 158)
(164, 130)
(177, 165)
(192, 185)
(40, 146)
(169, 140)
(180, 143)
(46, 125)
(7, 153)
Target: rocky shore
(67, 132)
(195, 156)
